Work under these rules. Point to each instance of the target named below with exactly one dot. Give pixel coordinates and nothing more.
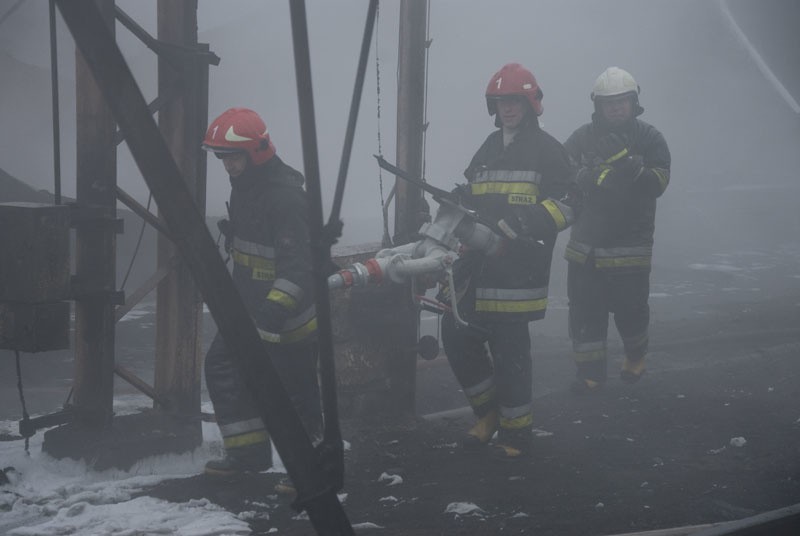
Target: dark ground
(724, 364)
(632, 458)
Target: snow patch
(738, 442)
(47, 497)
(715, 267)
(392, 479)
(464, 508)
(366, 525)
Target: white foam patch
(47, 497)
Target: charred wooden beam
(95, 245)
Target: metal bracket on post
(177, 55)
(28, 426)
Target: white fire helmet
(614, 81)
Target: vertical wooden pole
(408, 199)
(182, 122)
(410, 115)
(95, 245)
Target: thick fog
(728, 125)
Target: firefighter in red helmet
(624, 166)
(518, 178)
(268, 238)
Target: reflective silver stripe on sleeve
(284, 285)
(297, 321)
(501, 175)
(519, 411)
(241, 427)
(253, 248)
(479, 388)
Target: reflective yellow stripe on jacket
(504, 300)
(286, 293)
(623, 257)
(295, 329)
(663, 178)
(258, 257)
(519, 186)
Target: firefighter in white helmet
(268, 238)
(518, 178)
(623, 167)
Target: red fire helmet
(239, 130)
(514, 79)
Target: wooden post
(408, 199)
(182, 122)
(95, 245)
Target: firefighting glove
(462, 194)
(622, 174)
(529, 221)
(587, 177)
(226, 228)
(271, 316)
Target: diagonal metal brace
(176, 55)
(197, 248)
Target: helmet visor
(221, 152)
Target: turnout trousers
(593, 294)
(239, 421)
(499, 379)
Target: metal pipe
(400, 268)
(324, 509)
(54, 91)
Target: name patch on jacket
(521, 199)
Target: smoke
(727, 127)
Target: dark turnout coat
(271, 250)
(616, 227)
(525, 181)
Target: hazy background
(734, 138)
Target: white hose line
(762, 65)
